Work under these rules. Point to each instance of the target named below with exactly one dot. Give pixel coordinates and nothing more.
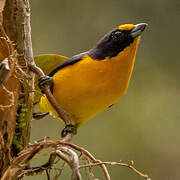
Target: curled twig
(91, 157)
(4, 72)
(73, 161)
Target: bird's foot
(39, 115)
(69, 129)
(45, 80)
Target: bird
(88, 83)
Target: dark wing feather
(68, 62)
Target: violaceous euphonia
(88, 83)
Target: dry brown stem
(66, 154)
(119, 164)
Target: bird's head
(117, 40)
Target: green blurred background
(145, 125)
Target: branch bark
(16, 22)
(17, 26)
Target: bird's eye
(116, 36)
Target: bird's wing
(47, 62)
(68, 62)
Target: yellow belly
(89, 86)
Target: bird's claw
(39, 115)
(69, 129)
(45, 80)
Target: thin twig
(59, 171)
(47, 173)
(119, 164)
(50, 97)
(27, 154)
(40, 169)
(91, 157)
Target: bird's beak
(138, 29)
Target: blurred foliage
(144, 125)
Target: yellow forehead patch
(126, 27)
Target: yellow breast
(89, 86)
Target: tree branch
(70, 157)
(16, 23)
(14, 16)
